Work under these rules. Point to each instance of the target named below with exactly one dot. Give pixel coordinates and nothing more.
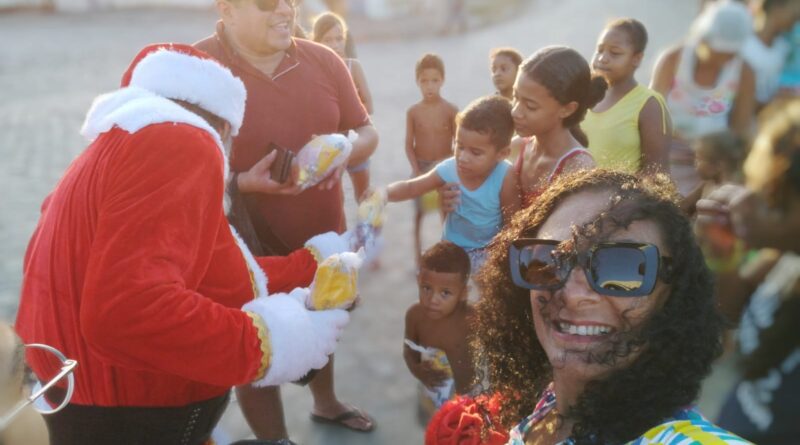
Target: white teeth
(583, 329)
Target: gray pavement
(51, 66)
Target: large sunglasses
(272, 5)
(617, 269)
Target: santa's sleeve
(157, 224)
(298, 268)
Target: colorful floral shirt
(686, 427)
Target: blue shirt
(478, 218)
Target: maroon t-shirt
(310, 93)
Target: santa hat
(182, 72)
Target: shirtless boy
(436, 349)
(430, 128)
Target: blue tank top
(478, 218)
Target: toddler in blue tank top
(478, 168)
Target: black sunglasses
(272, 5)
(617, 269)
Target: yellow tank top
(614, 139)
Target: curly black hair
(676, 344)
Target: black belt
(95, 425)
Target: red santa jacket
(134, 271)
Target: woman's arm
(654, 132)
(664, 71)
(360, 79)
(744, 106)
(413, 188)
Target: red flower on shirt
(467, 421)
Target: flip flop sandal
(344, 417)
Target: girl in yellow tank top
(629, 129)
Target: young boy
(504, 63)
(430, 128)
(436, 350)
(488, 190)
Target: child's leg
(359, 176)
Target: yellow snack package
(335, 283)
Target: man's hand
(450, 196)
(259, 180)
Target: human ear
(567, 110)
(637, 59)
(502, 154)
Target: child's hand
(450, 195)
(429, 376)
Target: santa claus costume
(134, 271)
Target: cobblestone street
(52, 66)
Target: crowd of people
(601, 239)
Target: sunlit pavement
(51, 66)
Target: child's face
(705, 166)
(536, 111)
(615, 58)
(440, 293)
(476, 155)
(430, 82)
(335, 40)
(503, 72)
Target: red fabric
(462, 421)
(311, 93)
(530, 197)
(134, 272)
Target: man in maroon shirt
(296, 89)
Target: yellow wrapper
(336, 282)
(439, 362)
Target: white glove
(329, 243)
(300, 339)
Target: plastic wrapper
(322, 155)
(369, 222)
(335, 283)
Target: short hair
(511, 53)
(489, 115)
(635, 30)
(324, 23)
(725, 147)
(429, 61)
(446, 257)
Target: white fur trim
(300, 340)
(256, 272)
(132, 109)
(203, 82)
(329, 243)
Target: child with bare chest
(436, 348)
(430, 129)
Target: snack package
(369, 222)
(335, 283)
(322, 155)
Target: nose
(576, 291)
(515, 110)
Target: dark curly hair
(677, 344)
(489, 115)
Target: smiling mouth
(583, 330)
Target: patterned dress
(686, 427)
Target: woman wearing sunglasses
(597, 323)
